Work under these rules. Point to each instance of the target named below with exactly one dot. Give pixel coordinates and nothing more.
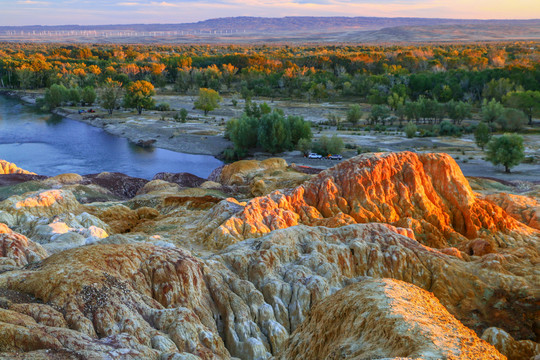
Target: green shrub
(410, 130)
(163, 107)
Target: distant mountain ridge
(288, 23)
(293, 29)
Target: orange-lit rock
(384, 319)
(17, 250)
(42, 204)
(521, 208)
(10, 168)
(424, 192)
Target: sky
(101, 12)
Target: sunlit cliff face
(426, 193)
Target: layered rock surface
(424, 192)
(368, 320)
(187, 273)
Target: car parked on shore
(314, 156)
(335, 157)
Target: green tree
(110, 95)
(75, 95)
(139, 95)
(208, 100)
(395, 101)
(512, 120)
(482, 135)
(55, 95)
(273, 134)
(335, 145)
(507, 150)
(458, 111)
(88, 95)
(491, 110)
(298, 128)
(497, 89)
(243, 132)
(378, 113)
(354, 114)
(304, 145)
(410, 129)
(526, 101)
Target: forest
(435, 84)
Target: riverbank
(195, 137)
(204, 135)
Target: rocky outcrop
(424, 192)
(182, 179)
(195, 273)
(259, 178)
(16, 250)
(10, 168)
(246, 301)
(119, 184)
(522, 208)
(385, 318)
(506, 344)
(141, 301)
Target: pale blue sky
(89, 12)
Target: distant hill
(286, 29)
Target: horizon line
(282, 17)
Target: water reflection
(54, 119)
(50, 145)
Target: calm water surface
(50, 145)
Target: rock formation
(158, 270)
(368, 320)
(424, 192)
(10, 168)
(524, 209)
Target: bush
(410, 130)
(304, 145)
(446, 128)
(512, 120)
(163, 107)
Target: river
(50, 145)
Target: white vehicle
(314, 156)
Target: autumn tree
(208, 100)
(110, 95)
(139, 95)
